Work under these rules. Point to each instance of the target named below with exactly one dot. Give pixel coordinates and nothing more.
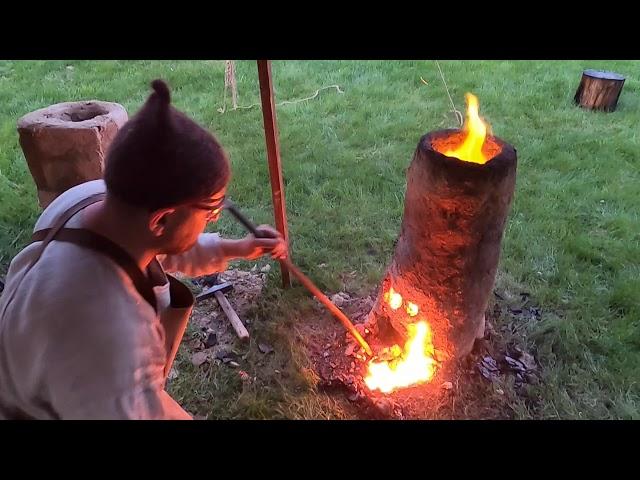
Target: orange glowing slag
(415, 364)
(393, 299)
(412, 309)
(471, 148)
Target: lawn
(572, 240)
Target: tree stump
(65, 144)
(599, 90)
(446, 256)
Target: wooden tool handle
(236, 323)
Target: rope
(230, 82)
(285, 102)
(455, 111)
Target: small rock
(70, 67)
(199, 358)
(223, 354)
(322, 265)
(277, 371)
(212, 339)
(208, 280)
(384, 406)
(350, 348)
(499, 391)
(264, 348)
(515, 365)
(234, 364)
(173, 373)
(447, 385)
(528, 361)
(266, 268)
(340, 298)
(325, 354)
(489, 368)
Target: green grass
(572, 241)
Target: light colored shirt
(78, 341)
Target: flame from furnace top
(476, 128)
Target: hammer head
(210, 292)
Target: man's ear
(158, 221)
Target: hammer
(304, 280)
(218, 291)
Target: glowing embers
(402, 368)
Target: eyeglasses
(214, 210)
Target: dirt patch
(210, 337)
(471, 388)
(482, 386)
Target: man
(89, 320)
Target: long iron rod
(305, 281)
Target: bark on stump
(599, 90)
(65, 144)
(446, 256)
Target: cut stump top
(74, 116)
(605, 75)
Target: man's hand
(251, 247)
(271, 243)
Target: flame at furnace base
(413, 365)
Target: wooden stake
(273, 157)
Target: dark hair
(161, 157)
